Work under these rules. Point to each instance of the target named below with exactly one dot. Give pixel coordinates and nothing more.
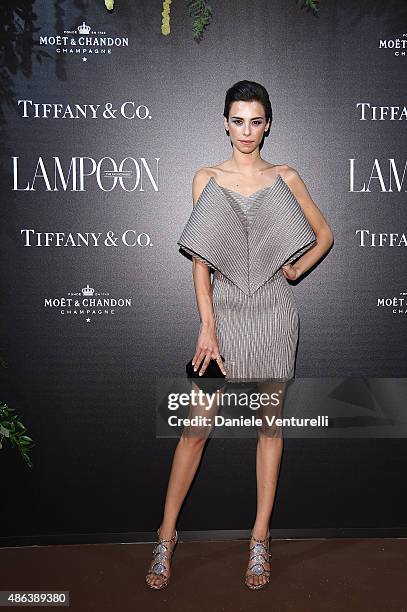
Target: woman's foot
(158, 575)
(258, 569)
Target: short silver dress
(245, 241)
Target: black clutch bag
(211, 380)
(212, 370)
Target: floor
(327, 575)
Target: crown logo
(87, 290)
(83, 28)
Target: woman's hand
(207, 349)
(291, 272)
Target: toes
(252, 580)
(150, 580)
(155, 579)
(159, 580)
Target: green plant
(12, 431)
(201, 13)
(312, 4)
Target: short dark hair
(247, 91)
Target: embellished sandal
(161, 553)
(259, 556)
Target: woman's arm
(322, 230)
(207, 344)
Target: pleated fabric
(245, 240)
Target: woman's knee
(194, 439)
(270, 435)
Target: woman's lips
(246, 141)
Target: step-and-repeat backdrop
(106, 114)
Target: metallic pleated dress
(245, 241)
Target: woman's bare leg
(187, 457)
(268, 460)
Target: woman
(254, 225)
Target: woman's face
(247, 122)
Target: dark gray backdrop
(85, 389)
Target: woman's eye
(238, 121)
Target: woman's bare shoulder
(289, 174)
(284, 170)
(200, 180)
(208, 171)
(204, 172)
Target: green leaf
(4, 432)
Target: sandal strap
(260, 572)
(266, 539)
(259, 556)
(158, 570)
(160, 540)
(161, 553)
(262, 549)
